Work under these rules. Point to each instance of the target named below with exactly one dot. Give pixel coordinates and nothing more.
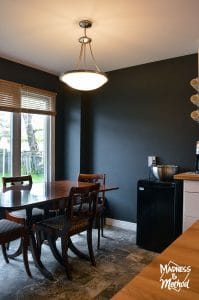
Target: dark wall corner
(142, 110)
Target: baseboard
(121, 224)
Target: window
(26, 131)
(5, 143)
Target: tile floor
(118, 261)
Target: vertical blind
(16, 97)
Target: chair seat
(100, 207)
(57, 223)
(37, 214)
(10, 231)
(7, 227)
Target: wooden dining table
(41, 195)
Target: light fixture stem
(98, 69)
(85, 56)
(80, 57)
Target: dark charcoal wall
(67, 122)
(143, 110)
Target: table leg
(55, 252)
(76, 251)
(36, 257)
(33, 247)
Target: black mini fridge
(159, 213)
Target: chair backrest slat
(19, 180)
(94, 178)
(82, 203)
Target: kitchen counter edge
(187, 176)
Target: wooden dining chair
(100, 216)
(19, 216)
(80, 211)
(19, 180)
(10, 231)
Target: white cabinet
(190, 203)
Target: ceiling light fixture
(83, 78)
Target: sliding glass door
(5, 143)
(26, 131)
(26, 145)
(34, 146)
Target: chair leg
(90, 246)
(64, 247)
(25, 244)
(98, 232)
(102, 225)
(39, 241)
(17, 252)
(8, 246)
(3, 247)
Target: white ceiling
(44, 33)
